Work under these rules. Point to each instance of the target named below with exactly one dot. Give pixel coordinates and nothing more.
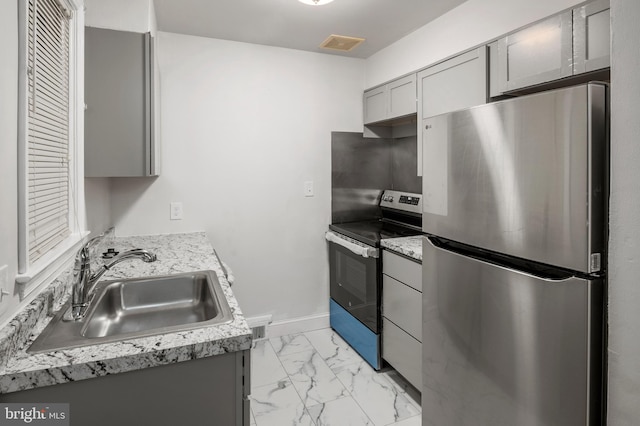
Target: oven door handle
(360, 250)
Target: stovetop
(401, 217)
(372, 231)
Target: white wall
(124, 15)
(468, 25)
(243, 126)
(624, 225)
(8, 149)
(97, 193)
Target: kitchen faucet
(84, 281)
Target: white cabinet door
(537, 54)
(393, 100)
(402, 96)
(591, 37)
(121, 108)
(493, 80)
(375, 105)
(457, 83)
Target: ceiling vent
(342, 43)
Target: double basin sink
(139, 307)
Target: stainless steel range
(356, 270)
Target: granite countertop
(176, 253)
(409, 246)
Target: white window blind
(47, 127)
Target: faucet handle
(93, 243)
(107, 234)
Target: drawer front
(402, 305)
(402, 269)
(403, 352)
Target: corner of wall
(153, 22)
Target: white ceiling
(291, 24)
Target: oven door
(355, 283)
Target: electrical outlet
(176, 211)
(308, 188)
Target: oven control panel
(405, 201)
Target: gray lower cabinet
(121, 107)
(591, 37)
(402, 316)
(212, 391)
(457, 83)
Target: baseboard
(296, 325)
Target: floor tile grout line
(396, 387)
(337, 378)
(356, 400)
(287, 335)
(388, 382)
(315, 350)
(348, 391)
(395, 423)
(306, 409)
(296, 389)
(268, 341)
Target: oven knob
(390, 199)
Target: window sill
(50, 266)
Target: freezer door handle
(521, 266)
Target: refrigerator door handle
(520, 266)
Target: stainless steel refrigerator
(515, 199)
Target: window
(47, 127)
(49, 201)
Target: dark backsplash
(361, 168)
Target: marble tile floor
(316, 379)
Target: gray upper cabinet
(402, 96)
(591, 37)
(120, 104)
(494, 81)
(375, 105)
(536, 54)
(393, 100)
(454, 84)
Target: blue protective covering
(363, 340)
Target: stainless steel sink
(131, 308)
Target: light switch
(176, 211)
